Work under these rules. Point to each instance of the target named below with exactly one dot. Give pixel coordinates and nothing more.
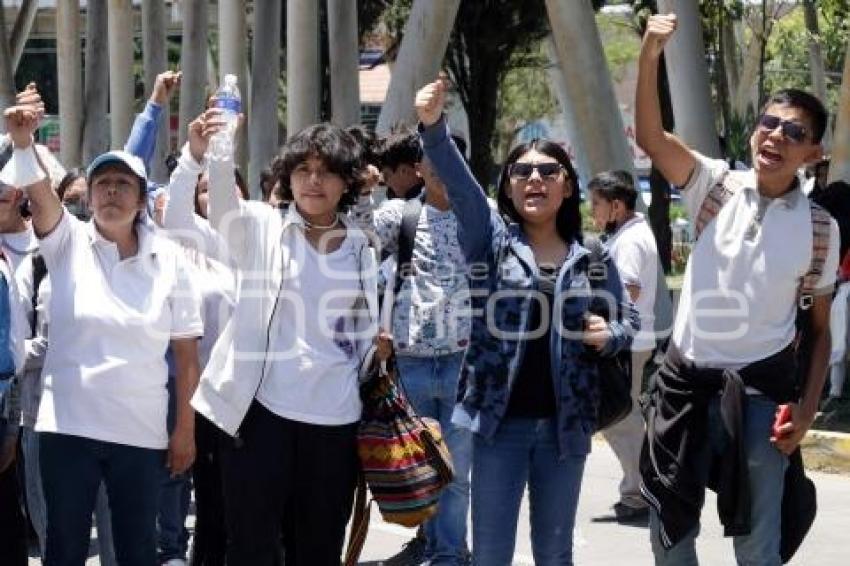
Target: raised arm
(21, 121)
(142, 139)
(668, 153)
(478, 228)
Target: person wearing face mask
(632, 246)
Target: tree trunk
(420, 57)
(560, 86)
(155, 62)
(7, 76)
(816, 55)
(303, 79)
(748, 79)
(121, 80)
(96, 103)
(592, 97)
(70, 79)
(839, 168)
(193, 62)
(263, 130)
(344, 62)
(21, 30)
(233, 59)
(690, 87)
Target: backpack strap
(821, 221)
(717, 197)
(406, 238)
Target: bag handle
(359, 523)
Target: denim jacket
(502, 272)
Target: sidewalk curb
(825, 451)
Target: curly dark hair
(339, 151)
(568, 220)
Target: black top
(533, 393)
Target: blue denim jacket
(503, 281)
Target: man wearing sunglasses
(731, 360)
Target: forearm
(186, 381)
(142, 139)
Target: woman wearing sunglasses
(528, 387)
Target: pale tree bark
(69, 62)
(746, 95)
(303, 82)
(155, 61)
(839, 168)
(232, 59)
(263, 122)
(96, 100)
(816, 55)
(21, 30)
(193, 63)
(7, 75)
(121, 80)
(690, 87)
(592, 98)
(344, 62)
(731, 57)
(420, 56)
(561, 89)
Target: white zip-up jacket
(258, 241)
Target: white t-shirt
(636, 256)
(111, 321)
(739, 295)
(312, 369)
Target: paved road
(606, 544)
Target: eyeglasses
(524, 171)
(792, 130)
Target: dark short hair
(808, 103)
(339, 151)
(568, 220)
(401, 148)
(615, 185)
(69, 179)
(370, 146)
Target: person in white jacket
(283, 377)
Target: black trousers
(210, 541)
(305, 472)
(13, 522)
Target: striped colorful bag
(403, 460)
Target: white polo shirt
(739, 295)
(110, 324)
(636, 256)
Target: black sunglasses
(792, 130)
(524, 171)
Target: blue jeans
(524, 452)
(175, 495)
(766, 466)
(431, 387)
(72, 469)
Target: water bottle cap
(230, 79)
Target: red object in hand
(783, 415)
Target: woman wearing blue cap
(120, 296)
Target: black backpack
(615, 372)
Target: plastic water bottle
(226, 98)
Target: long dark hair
(568, 219)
